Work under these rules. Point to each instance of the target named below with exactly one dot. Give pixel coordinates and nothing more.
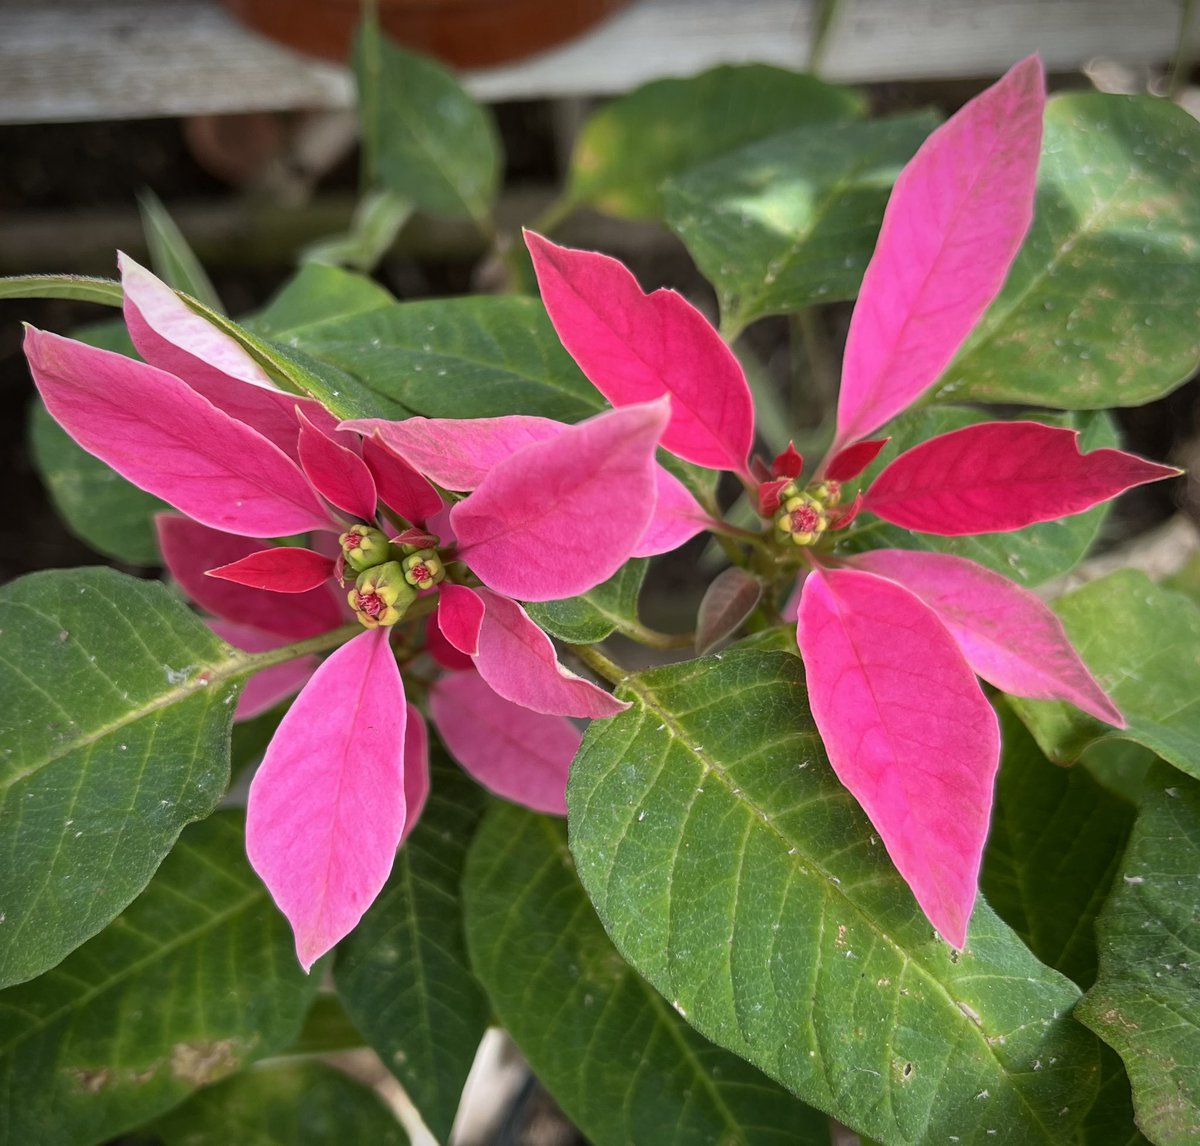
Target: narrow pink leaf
(190, 549)
(1008, 635)
(953, 225)
(559, 517)
(416, 769)
(520, 755)
(517, 659)
(460, 617)
(166, 439)
(400, 487)
(457, 453)
(636, 347)
(283, 569)
(850, 462)
(677, 517)
(326, 808)
(267, 687)
(998, 476)
(338, 474)
(907, 730)
(170, 335)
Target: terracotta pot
(465, 33)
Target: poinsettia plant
(820, 860)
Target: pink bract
(327, 804)
(635, 347)
(907, 730)
(953, 225)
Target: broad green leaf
(738, 876)
(285, 1104)
(115, 710)
(1056, 839)
(1026, 556)
(377, 221)
(1146, 1002)
(99, 506)
(1110, 1121)
(629, 147)
(295, 370)
(424, 138)
(327, 1028)
(1102, 306)
(81, 288)
(196, 979)
(477, 357)
(1140, 642)
(315, 296)
(610, 606)
(403, 974)
(172, 259)
(791, 220)
(618, 1060)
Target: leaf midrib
(650, 702)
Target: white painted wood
(63, 60)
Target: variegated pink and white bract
(549, 512)
(892, 640)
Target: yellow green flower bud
(364, 547)
(828, 493)
(424, 569)
(381, 595)
(801, 520)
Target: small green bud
(364, 547)
(828, 493)
(424, 569)
(381, 595)
(801, 519)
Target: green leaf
(591, 617)
(195, 980)
(99, 506)
(618, 1060)
(403, 974)
(315, 296)
(172, 259)
(1110, 1121)
(377, 221)
(81, 288)
(424, 138)
(1026, 556)
(478, 357)
(1052, 852)
(1146, 1002)
(792, 220)
(115, 710)
(294, 1104)
(327, 1028)
(629, 147)
(734, 872)
(1102, 307)
(1140, 641)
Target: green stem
(652, 638)
(600, 664)
(1182, 64)
(554, 215)
(256, 662)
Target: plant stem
(1182, 64)
(553, 215)
(256, 662)
(600, 664)
(652, 638)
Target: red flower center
(372, 604)
(805, 519)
